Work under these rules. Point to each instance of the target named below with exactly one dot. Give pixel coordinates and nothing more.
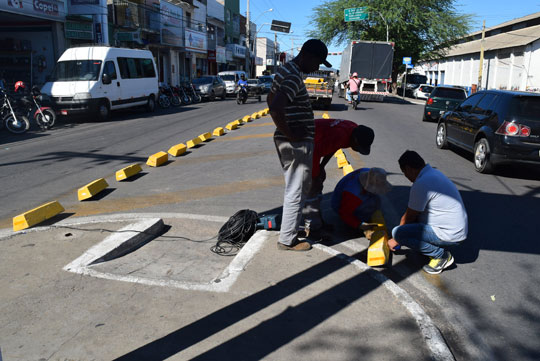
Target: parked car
(210, 87)
(442, 99)
(267, 81)
(256, 86)
(497, 126)
(423, 91)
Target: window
(110, 70)
(133, 68)
(485, 106)
(77, 70)
(468, 104)
(452, 93)
(525, 107)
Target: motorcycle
(193, 93)
(242, 94)
(14, 121)
(163, 99)
(355, 100)
(173, 98)
(184, 98)
(45, 116)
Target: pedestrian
(352, 86)
(291, 111)
(356, 196)
(330, 136)
(435, 219)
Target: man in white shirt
(435, 218)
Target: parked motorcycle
(184, 98)
(194, 94)
(44, 115)
(163, 99)
(12, 118)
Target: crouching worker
(435, 218)
(356, 196)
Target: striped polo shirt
(298, 112)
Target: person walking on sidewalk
(435, 218)
(330, 136)
(291, 111)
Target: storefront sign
(134, 36)
(221, 55)
(46, 9)
(171, 24)
(76, 30)
(196, 41)
(212, 56)
(238, 51)
(85, 7)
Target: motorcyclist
(242, 86)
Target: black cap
(317, 48)
(364, 137)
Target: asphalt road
(487, 306)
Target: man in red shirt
(330, 136)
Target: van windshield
(76, 70)
(227, 77)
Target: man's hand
(392, 244)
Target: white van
(230, 78)
(98, 79)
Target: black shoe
(437, 265)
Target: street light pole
(384, 23)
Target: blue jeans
(421, 237)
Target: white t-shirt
(440, 204)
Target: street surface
(486, 306)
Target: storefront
(31, 39)
(238, 57)
(196, 52)
(172, 56)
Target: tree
(421, 29)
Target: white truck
(372, 60)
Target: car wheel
(224, 95)
(103, 112)
(150, 104)
(212, 96)
(440, 139)
(482, 154)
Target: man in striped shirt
(291, 111)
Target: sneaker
(299, 246)
(437, 265)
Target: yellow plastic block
(255, 116)
(237, 122)
(218, 132)
(347, 169)
(91, 189)
(36, 215)
(260, 113)
(312, 80)
(342, 161)
(247, 118)
(193, 142)
(378, 251)
(338, 152)
(155, 160)
(205, 136)
(326, 116)
(266, 111)
(231, 126)
(177, 150)
(128, 171)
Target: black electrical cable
(236, 232)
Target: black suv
(497, 126)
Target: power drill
(268, 222)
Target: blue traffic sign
(407, 60)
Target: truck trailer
(372, 60)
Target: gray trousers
(296, 161)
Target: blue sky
(299, 14)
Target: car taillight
(430, 101)
(513, 129)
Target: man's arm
(277, 103)
(410, 216)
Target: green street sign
(355, 14)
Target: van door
(112, 91)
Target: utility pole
(481, 65)
(248, 65)
(275, 52)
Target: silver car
(210, 87)
(423, 91)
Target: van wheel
(151, 104)
(104, 112)
(482, 157)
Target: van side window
(148, 68)
(122, 64)
(133, 68)
(110, 70)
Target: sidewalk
(172, 298)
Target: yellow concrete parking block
(91, 189)
(155, 160)
(231, 126)
(255, 116)
(326, 116)
(347, 169)
(128, 171)
(341, 161)
(378, 251)
(177, 150)
(218, 132)
(261, 113)
(266, 111)
(237, 122)
(205, 136)
(193, 142)
(247, 119)
(37, 215)
(339, 152)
